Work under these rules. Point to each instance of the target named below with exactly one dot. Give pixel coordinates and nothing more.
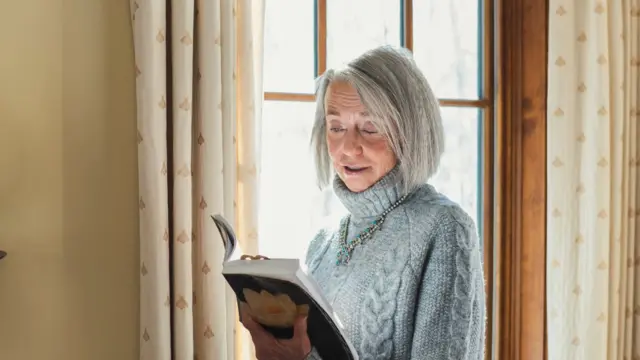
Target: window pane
(292, 208)
(459, 173)
(445, 45)
(289, 53)
(290, 202)
(355, 26)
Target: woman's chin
(356, 185)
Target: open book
(276, 291)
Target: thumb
(258, 333)
(245, 316)
(249, 323)
(300, 328)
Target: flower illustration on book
(272, 310)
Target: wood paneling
(521, 224)
(534, 134)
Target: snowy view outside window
(445, 45)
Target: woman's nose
(352, 143)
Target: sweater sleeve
(316, 249)
(313, 355)
(449, 318)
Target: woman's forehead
(343, 97)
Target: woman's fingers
(258, 333)
(247, 320)
(300, 328)
(301, 337)
(249, 323)
(268, 347)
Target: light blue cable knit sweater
(415, 290)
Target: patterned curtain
(593, 239)
(199, 100)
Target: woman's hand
(270, 348)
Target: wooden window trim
(408, 24)
(519, 321)
(321, 12)
(300, 97)
(490, 146)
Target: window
(452, 43)
(486, 61)
(447, 39)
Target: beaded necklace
(347, 247)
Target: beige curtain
(593, 239)
(199, 99)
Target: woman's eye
(335, 129)
(369, 128)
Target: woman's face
(361, 155)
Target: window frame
(520, 214)
(513, 99)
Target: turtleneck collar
(373, 201)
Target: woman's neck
(372, 202)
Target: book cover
(276, 291)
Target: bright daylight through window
(446, 38)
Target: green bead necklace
(347, 247)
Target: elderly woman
(403, 269)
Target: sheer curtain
(199, 99)
(593, 240)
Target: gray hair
(402, 105)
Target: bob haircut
(402, 106)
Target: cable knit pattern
(464, 294)
(380, 307)
(415, 290)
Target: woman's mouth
(354, 170)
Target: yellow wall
(68, 181)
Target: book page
(227, 234)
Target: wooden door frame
(520, 249)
